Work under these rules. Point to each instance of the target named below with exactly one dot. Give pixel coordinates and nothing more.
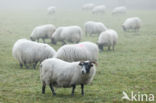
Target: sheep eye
(91, 65)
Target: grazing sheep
(133, 23)
(51, 10)
(88, 6)
(57, 73)
(107, 39)
(29, 52)
(78, 52)
(70, 34)
(92, 27)
(42, 32)
(119, 10)
(100, 9)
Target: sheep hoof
(72, 94)
(54, 94)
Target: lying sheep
(29, 52)
(100, 9)
(78, 52)
(57, 73)
(133, 24)
(42, 32)
(88, 6)
(51, 10)
(107, 39)
(119, 10)
(92, 27)
(70, 34)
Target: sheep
(92, 27)
(119, 10)
(43, 32)
(58, 73)
(78, 52)
(51, 10)
(29, 52)
(88, 6)
(100, 9)
(108, 39)
(65, 34)
(133, 24)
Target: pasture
(131, 67)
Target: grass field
(132, 67)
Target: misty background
(77, 4)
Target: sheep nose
(82, 72)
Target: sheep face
(124, 28)
(31, 38)
(100, 46)
(53, 41)
(86, 66)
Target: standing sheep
(100, 9)
(29, 52)
(42, 32)
(92, 27)
(70, 34)
(119, 10)
(107, 39)
(58, 73)
(78, 52)
(133, 24)
(51, 10)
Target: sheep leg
(34, 65)
(21, 65)
(63, 42)
(25, 64)
(82, 89)
(52, 89)
(43, 88)
(108, 48)
(113, 47)
(73, 89)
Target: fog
(77, 4)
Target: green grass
(132, 67)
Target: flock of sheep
(72, 64)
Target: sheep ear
(93, 62)
(81, 63)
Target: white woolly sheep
(92, 27)
(107, 39)
(65, 34)
(29, 52)
(119, 10)
(78, 52)
(100, 9)
(42, 32)
(57, 73)
(88, 6)
(133, 24)
(51, 10)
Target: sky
(41, 4)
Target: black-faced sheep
(57, 73)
